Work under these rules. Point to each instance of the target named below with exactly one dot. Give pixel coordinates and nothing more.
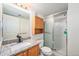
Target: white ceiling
(46, 9)
(43, 9)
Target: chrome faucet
(19, 38)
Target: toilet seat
(46, 51)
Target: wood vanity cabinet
(33, 51)
(24, 53)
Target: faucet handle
(18, 36)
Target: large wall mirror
(15, 22)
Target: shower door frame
(53, 35)
(66, 35)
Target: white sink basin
(19, 46)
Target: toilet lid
(46, 49)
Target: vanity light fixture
(24, 5)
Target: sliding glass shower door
(60, 34)
(56, 33)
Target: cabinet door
(34, 51)
(38, 22)
(20, 54)
(26, 53)
(38, 50)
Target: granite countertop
(15, 48)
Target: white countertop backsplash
(12, 49)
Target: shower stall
(56, 32)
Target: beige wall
(73, 29)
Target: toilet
(46, 51)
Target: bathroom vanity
(33, 51)
(28, 47)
